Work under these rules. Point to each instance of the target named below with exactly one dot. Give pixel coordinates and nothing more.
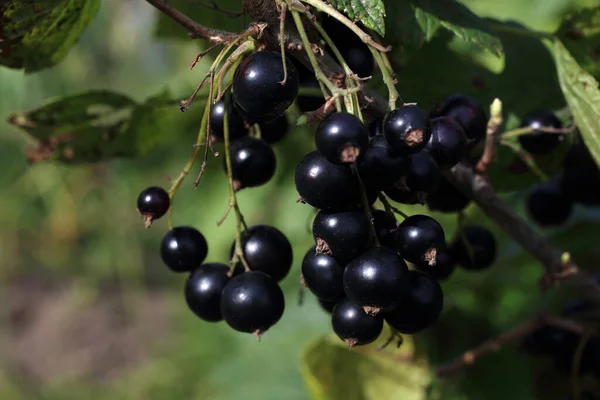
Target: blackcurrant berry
(538, 142)
(308, 80)
(325, 185)
(252, 302)
(445, 264)
(183, 249)
(257, 85)
(467, 111)
(580, 180)
(266, 249)
(422, 178)
(447, 143)
(379, 166)
(152, 203)
(474, 248)
(375, 127)
(353, 325)
(447, 198)
(237, 127)
(327, 305)
(376, 280)
(407, 129)
(273, 131)
(343, 235)
(359, 59)
(203, 290)
(385, 226)
(547, 205)
(253, 162)
(323, 275)
(582, 308)
(419, 238)
(341, 137)
(420, 307)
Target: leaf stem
(364, 200)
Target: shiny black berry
(275, 130)
(203, 290)
(253, 162)
(152, 203)
(447, 198)
(353, 325)
(547, 205)
(257, 87)
(580, 180)
(353, 50)
(341, 137)
(420, 307)
(237, 127)
(467, 111)
(325, 185)
(183, 249)
(376, 280)
(266, 249)
(379, 166)
(448, 142)
(323, 275)
(445, 264)
(343, 235)
(419, 238)
(252, 302)
(474, 248)
(420, 181)
(538, 142)
(407, 129)
(385, 226)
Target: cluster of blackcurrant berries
(359, 272)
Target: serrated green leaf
(94, 126)
(409, 26)
(583, 97)
(370, 12)
(38, 34)
(580, 33)
(332, 371)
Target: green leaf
(332, 371)
(409, 26)
(582, 95)
(38, 34)
(94, 126)
(580, 33)
(370, 12)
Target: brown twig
(494, 344)
(491, 138)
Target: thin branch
(491, 138)
(196, 30)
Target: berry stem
(282, 17)
(390, 209)
(526, 158)
(388, 79)
(491, 138)
(524, 131)
(364, 200)
(577, 364)
(247, 47)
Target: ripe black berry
(308, 80)
(385, 226)
(257, 89)
(343, 235)
(467, 111)
(252, 302)
(152, 203)
(183, 249)
(379, 166)
(419, 238)
(203, 290)
(323, 275)
(341, 138)
(420, 307)
(376, 280)
(327, 305)
(375, 127)
(253, 162)
(474, 248)
(325, 185)
(538, 142)
(448, 142)
(237, 127)
(447, 198)
(273, 131)
(407, 129)
(547, 205)
(580, 180)
(353, 50)
(422, 178)
(445, 264)
(353, 325)
(266, 249)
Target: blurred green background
(90, 312)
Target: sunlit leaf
(580, 33)
(370, 12)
